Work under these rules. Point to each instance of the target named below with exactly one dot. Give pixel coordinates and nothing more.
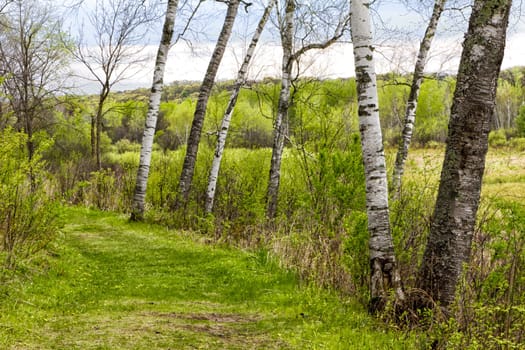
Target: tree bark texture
(137, 210)
(98, 124)
(93, 137)
(454, 218)
(281, 120)
(190, 159)
(225, 124)
(383, 267)
(417, 80)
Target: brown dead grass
(212, 317)
(153, 329)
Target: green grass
(110, 284)
(504, 176)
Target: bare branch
(188, 22)
(339, 32)
(243, 2)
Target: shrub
(125, 145)
(242, 187)
(497, 138)
(520, 122)
(491, 306)
(517, 143)
(27, 214)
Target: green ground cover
(110, 284)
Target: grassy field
(504, 171)
(110, 284)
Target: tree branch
(339, 32)
(245, 3)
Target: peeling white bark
(225, 124)
(417, 80)
(384, 273)
(281, 119)
(190, 158)
(137, 210)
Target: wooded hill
(333, 100)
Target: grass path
(115, 285)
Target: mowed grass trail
(111, 284)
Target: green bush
(125, 145)
(497, 138)
(241, 187)
(27, 214)
(517, 143)
(491, 302)
(520, 122)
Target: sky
(189, 63)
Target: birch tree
(384, 274)
(137, 210)
(417, 80)
(450, 239)
(309, 39)
(225, 124)
(281, 119)
(190, 158)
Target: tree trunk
(417, 79)
(190, 159)
(3, 121)
(454, 217)
(97, 131)
(384, 275)
(137, 209)
(225, 125)
(98, 134)
(281, 119)
(93, 137)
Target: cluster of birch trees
(302, 26)
(459, 192)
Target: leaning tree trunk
(281, 119)
(137, 209)
(454, 217)
(384, 274)
(417, 79)
(190, 159)
(225, 125)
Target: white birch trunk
(417, 79)
(190, 158)
(281, 119)
(383, 268)
(137, 210)
(225, 125)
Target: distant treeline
(313, 99)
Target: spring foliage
(27, 214)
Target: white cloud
(185, 63)
(514, 51)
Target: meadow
(303, 248)
(106, 283)
(76, 274)
(111, 284)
